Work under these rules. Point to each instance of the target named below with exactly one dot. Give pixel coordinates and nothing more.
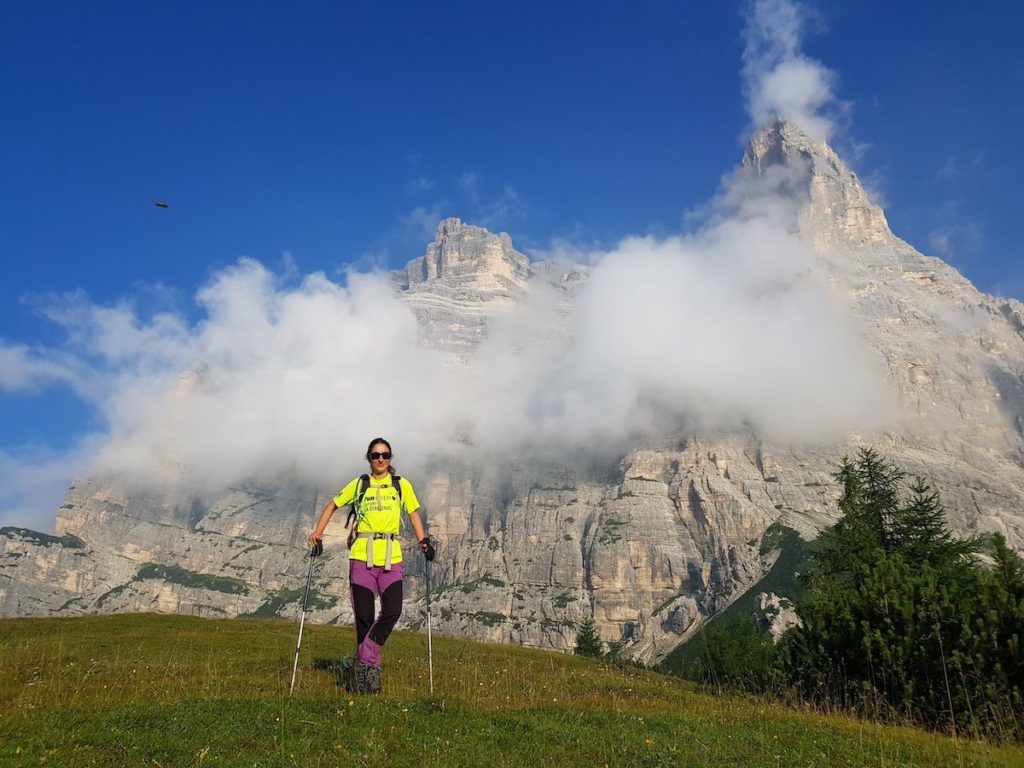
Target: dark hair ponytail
(369, 450)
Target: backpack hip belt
(390, 537)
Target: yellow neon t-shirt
(379, 512)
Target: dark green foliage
(587, 641)
(174, 574)
(737, 655)
(112, 593)
(489, 618)
(921, 534)
(901, 621)
(876, 522)
(186, 578)
(275, 605)
(68, 540)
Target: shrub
(737, 655)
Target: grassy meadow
(163, 691)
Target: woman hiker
(375, 557)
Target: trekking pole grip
(427, 548)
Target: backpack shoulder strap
(351, 521)
(396, 481)
(364, 483)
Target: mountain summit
(838, 210)
(466, 275)
(470, 256)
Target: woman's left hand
(427, 548)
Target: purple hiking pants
(366, 583)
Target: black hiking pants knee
(363, 607)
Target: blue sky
(334, 135)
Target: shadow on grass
(335, 667)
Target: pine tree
(920, 532)
(1009, 567)
(868, 500)
(588, 643)
(877, 485)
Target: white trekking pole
(316, 550)
(430, 647)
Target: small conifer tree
(921, 533)
(587, 641)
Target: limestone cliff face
(472, 257)
(467, 275)
(650, 545)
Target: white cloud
(724, 329)
(494, 211)
(411, 229)
(420, 223)
(956, 240)
(282, 381)
(501, 210)
(949, 170)
(24, 370)
(1010, 284)
(874, 182)
(469, 182)
(567, 250)
(779, 81)
(419, 186)
(955, 237)
(33, 481)
(939, 239)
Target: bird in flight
(160, 203)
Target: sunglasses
(386, 455)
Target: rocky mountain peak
(838, 211)
(467, 275)
(470, 256)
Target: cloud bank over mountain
(287, 375)
(722, 329)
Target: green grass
(144, 690)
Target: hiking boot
(359, 677)
(371, 675)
